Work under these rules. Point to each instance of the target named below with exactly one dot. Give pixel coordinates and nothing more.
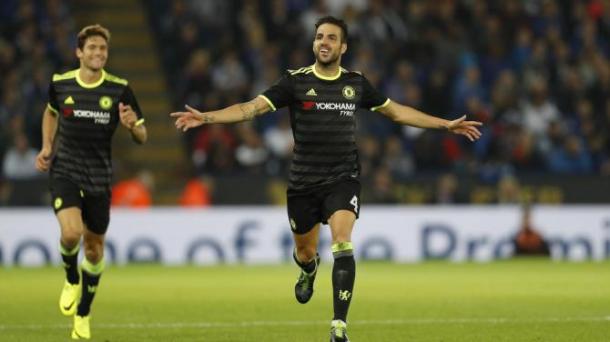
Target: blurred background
(535, 72)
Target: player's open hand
(43, 160)
(466, 128)
(189, 119)
(127, 115)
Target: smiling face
(328, 44)
(94, 53)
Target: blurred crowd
(36, 40)
(535, 72)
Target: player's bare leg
(71, 226)
(344, 271)
(306, 256)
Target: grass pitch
(523, 300)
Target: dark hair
(90, 31)
(335, 21)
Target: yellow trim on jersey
(90, 85)
(327, 78)
(303, 70)
(53, 110)
(268, 102)
(387, 102)
(75, 74)
(65, 76)
(114, 79)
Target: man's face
(94, 54)
(327, 45)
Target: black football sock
(70, 259)
(344, 274)
(91, 278)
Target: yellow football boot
(81, 328)
(68, 300)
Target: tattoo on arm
(248, 110)
(207, 118)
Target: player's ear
(79, 53)
(343, 48)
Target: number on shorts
(354, 202)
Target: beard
(331, 60)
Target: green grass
(525, 300)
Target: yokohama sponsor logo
(335, 106)
(99, 117)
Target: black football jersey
(88, 115)
(322, 111)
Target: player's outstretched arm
(405, 115)
(49, 128)
(235, 113)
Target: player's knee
(94, 250)
(70, 238)
(306, 253)
(94, 255)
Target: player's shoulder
(300, 71)
(70, 75)
(351, 73)
(115, 79)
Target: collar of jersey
(90, 85)
(326, 78)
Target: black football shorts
(95, 208)
(312, 206)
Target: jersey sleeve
(371, 98)
(128, 98)
(280, 94)
(53, 105)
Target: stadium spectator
(20, 160)
(197, 193)
(278, 139)
(571, 158)
(323, 180)
(382, 190)
(23, 182)
(213, 150)
(528, 241)
(399, 164)
(251, 153)
(447, 190)
(134, 192)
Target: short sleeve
(128, 98)
(371, 98)
(53, 105)
(280, 94)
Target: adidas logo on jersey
(69, 100)
(311, 92)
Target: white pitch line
(247, 324)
